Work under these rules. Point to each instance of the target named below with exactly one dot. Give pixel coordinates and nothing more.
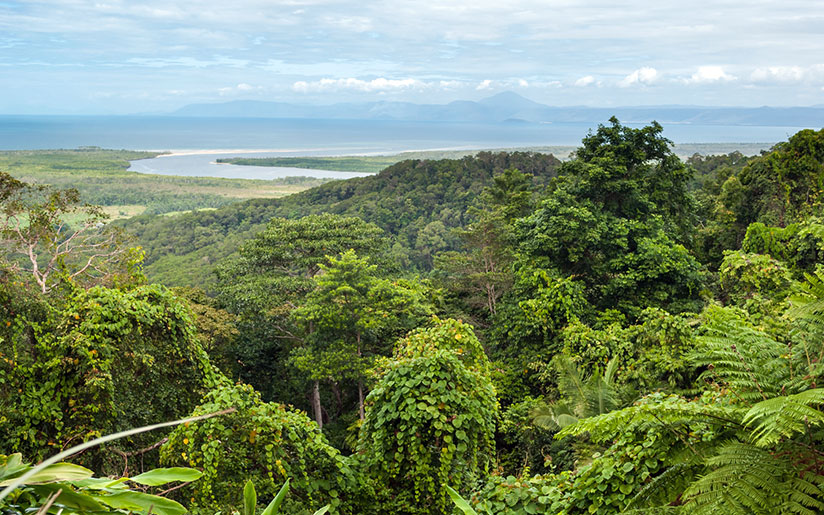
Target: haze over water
(328, 136)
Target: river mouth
(193, 163)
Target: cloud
(238, 89)
(485, 84)
(708, 74)
(788, 74)
(645, 75)
(375, 85)
(522, 83)
(350, 23)
(450, 84)
(585, 81)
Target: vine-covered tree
(430, 419)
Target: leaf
(161, 476)
(323, 510)
(249, 498)
(69, 498)
(138, 501)
(460, 502)
(52, 473)
(272, 509)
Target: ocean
(338, 136)
(290, 137)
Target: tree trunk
(316, 407)
(361, 413)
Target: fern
(665, 487)
(747, 361)
(750, 480)
(785, 416)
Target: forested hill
(417, 201)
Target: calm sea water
(168, 133)
(312, 137)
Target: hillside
(404, 199)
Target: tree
(106, 360)
(430, 419)
(613, 219)
(39, 240)
(268, 279)
(786, 184)
(351, 317)
(481, 273)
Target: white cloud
(585, 81)
(645, 75)
(485, 84)
(707, 74)
(376, 85)
(350, 23)
(522, 83)
(450, 84)
(239, 88)
(788, 74)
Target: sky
(151, 56)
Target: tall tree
(38, 238)
(267, 281)
(351, 317)
(614, 218)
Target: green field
(102, 178)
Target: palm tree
(581, 397)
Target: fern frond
(755, 480)
(784, 416)
(748, 361)
(809, 301)
(653, 411)
(665, 487)
(741, 482)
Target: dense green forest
(621, 332)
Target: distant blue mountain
(510, 107)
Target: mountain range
(509, 107)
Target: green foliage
(66, 487)
(540, 306)
(614, 218)
(800, 246)
(108, 359)
(513, 495)
(651, 353)
(402, 200)
(216, 330)
(271, 278)
(350, 318)
(786, 184)
(430, 419)
(746, 279)
(266, 442)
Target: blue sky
(115, 56)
